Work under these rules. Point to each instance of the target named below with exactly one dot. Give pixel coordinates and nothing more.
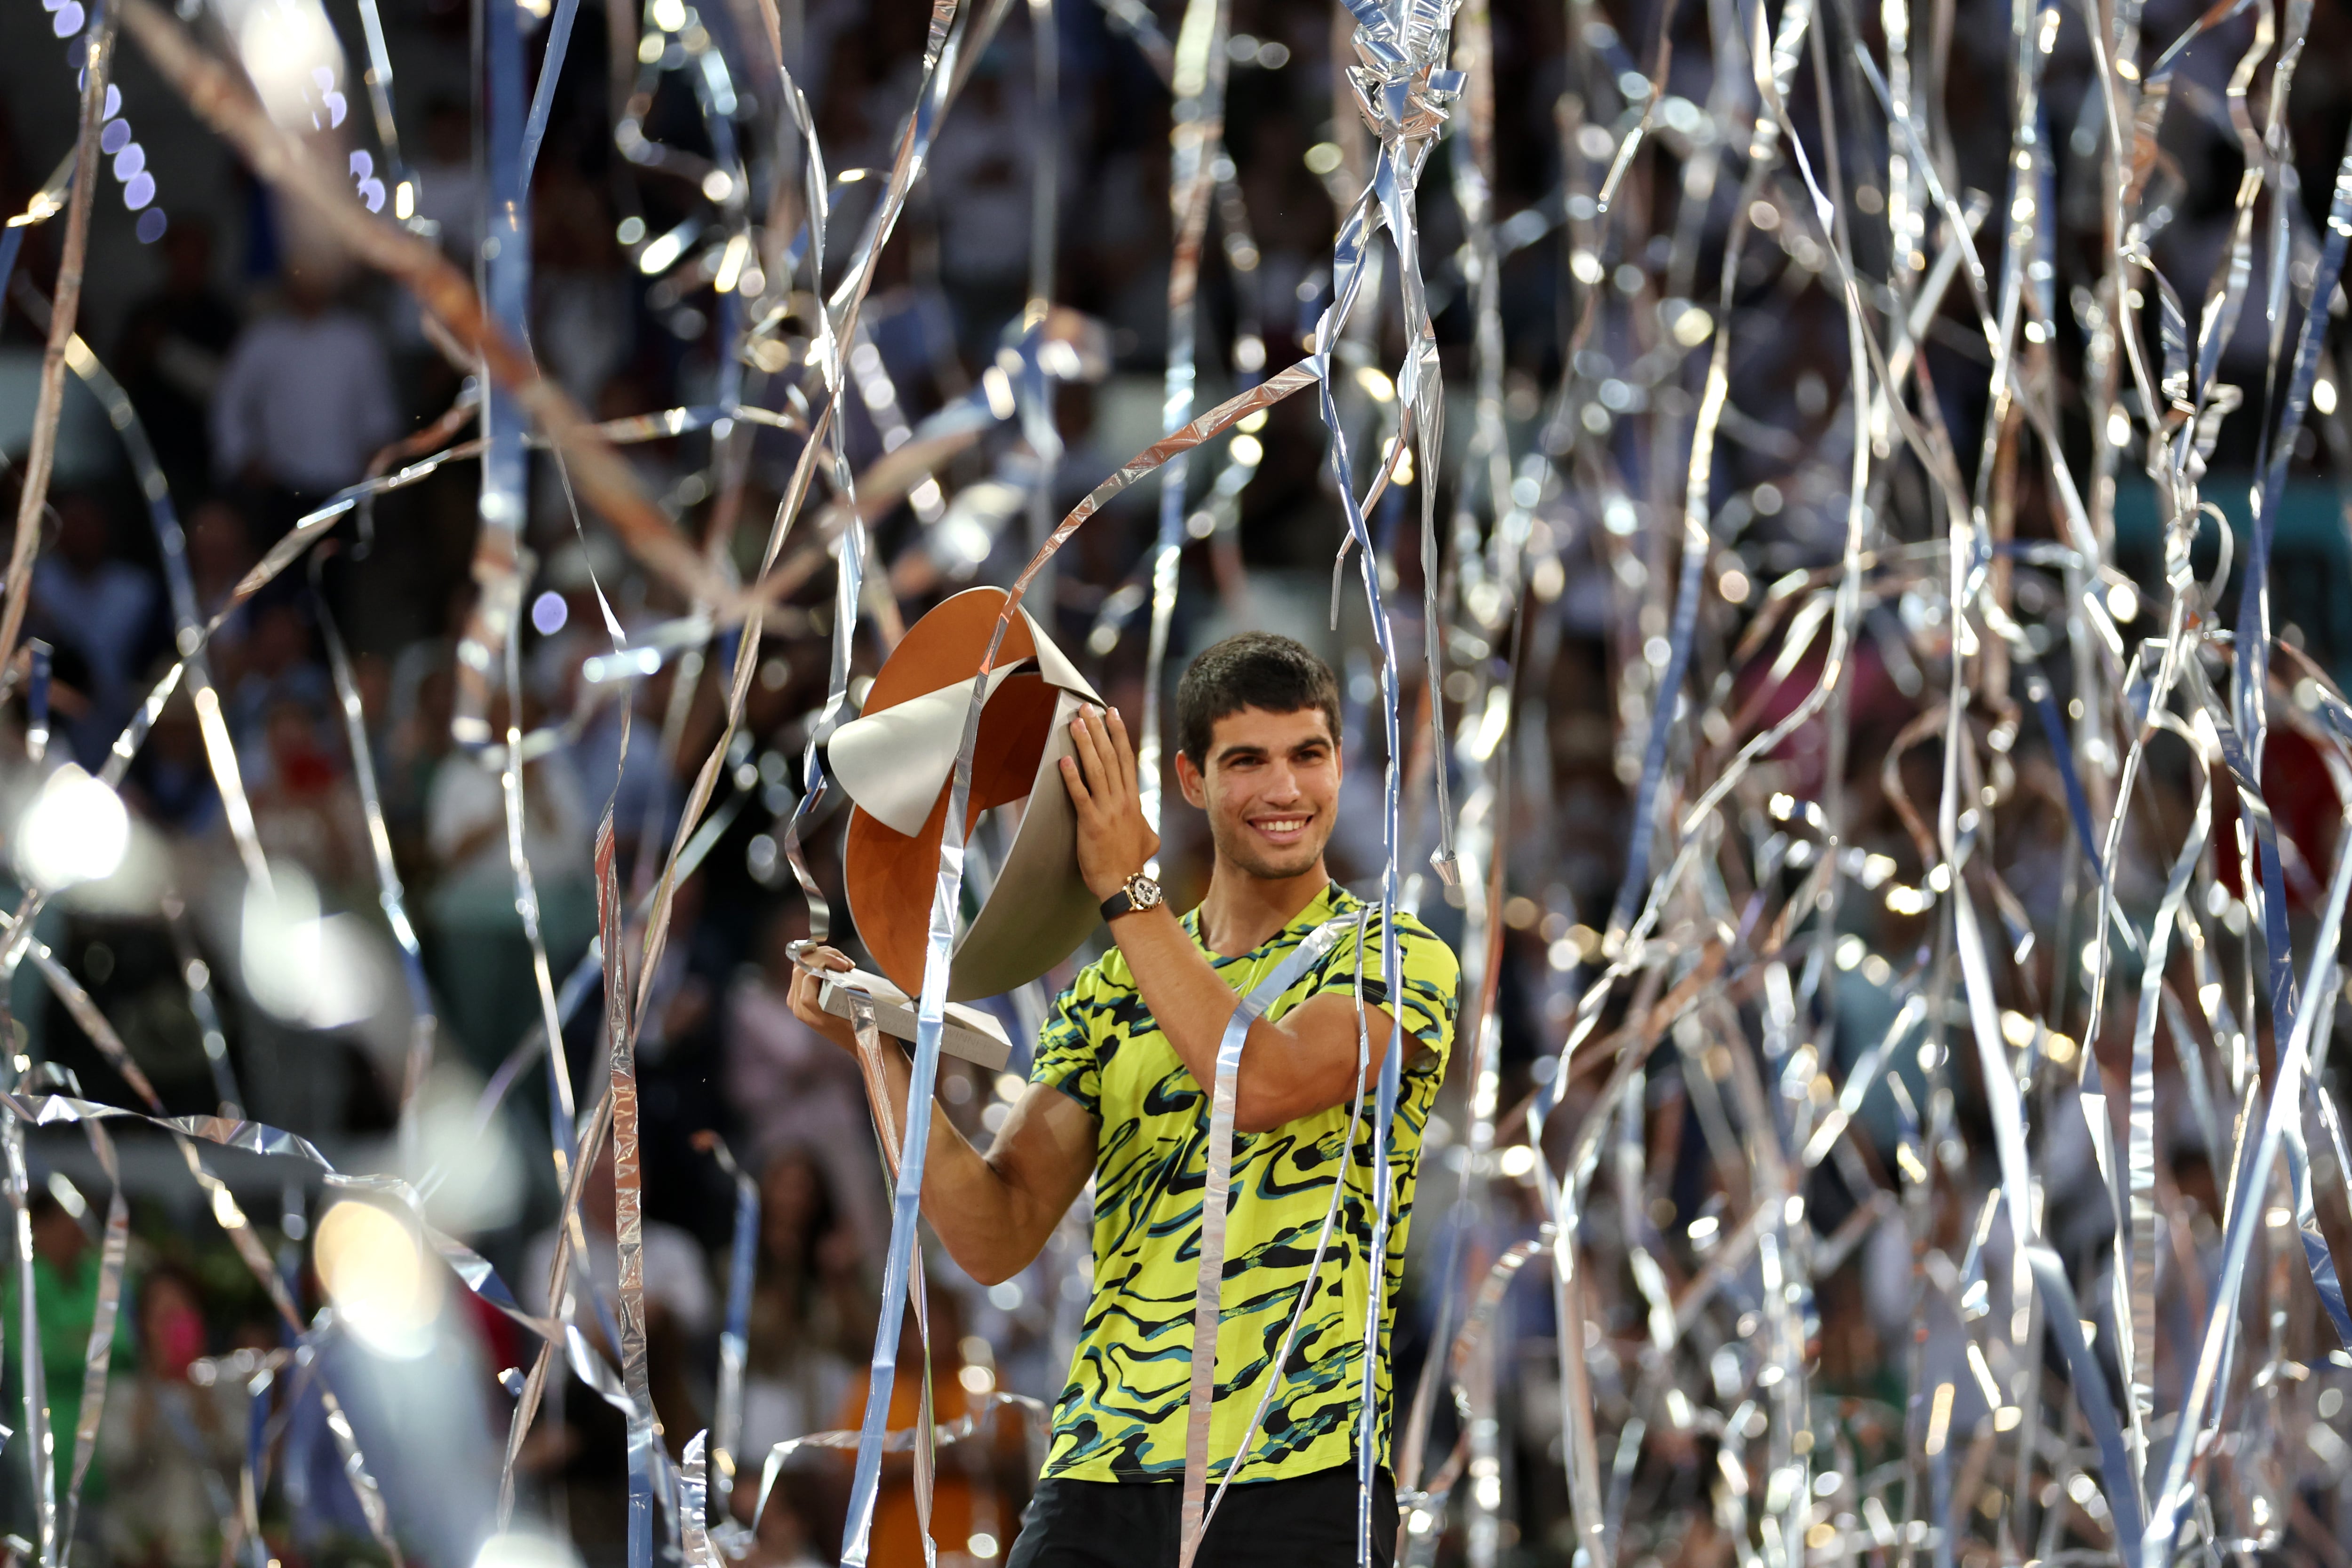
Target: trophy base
(965, 1031)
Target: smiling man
(1119, 1094)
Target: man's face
(1271, 788)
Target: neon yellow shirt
(1121, 1416)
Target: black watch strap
(1137, 892)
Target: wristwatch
(1140, 892)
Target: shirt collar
(1333, 900)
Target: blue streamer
(1662, 723)
(2256, 810)
(1347, 272)
(37, 701)
(743, 1263)
(1208, 1308)
(2254, 597)
(550, 68)
(2053, 729)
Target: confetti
(1871, 952)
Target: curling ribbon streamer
(734, 1338)
(628, 1208)
(1308, 1285)
(1404, 94)
(1197, 78)
(1208, 1298)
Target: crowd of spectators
(268, 379)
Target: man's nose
(1283, 785)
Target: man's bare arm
(1303, 1065)
(995, 1210)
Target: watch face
(1143, 891)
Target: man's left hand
(1115, 842)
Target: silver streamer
(2143, 1398)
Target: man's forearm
(1180, 987)
(983, 1220)
(1191, 1005)
(1303, 1065)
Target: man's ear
(1189, 780)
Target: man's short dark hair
(1252, 669)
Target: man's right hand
(808, 997)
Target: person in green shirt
(65, 1305)
(1118, 1094)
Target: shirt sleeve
(1426, 1002)
(1066, 1059)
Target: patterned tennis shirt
(1121, 1417)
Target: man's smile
(1287, 829)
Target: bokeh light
(75, 831)
(304, 967)
(384, 1287)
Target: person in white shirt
(306, 399)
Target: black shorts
(1304, 1522)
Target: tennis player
(1119, 1092)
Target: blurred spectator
(372, 681)
(786, 1527)
(174, 346)
(678, 1274)
(794, 1088)
(476, 944)
(812, 1308)
(171, 780)
(65, 1304)
(220, 552)
(448, 188)
(586, 325)
(678, 1004)
(279, 664)
(419, 699)
(104, 610)
(983, 1482)
(980, 181)
(306, 401)
(305, 808)
(641, 787)
(167, 1442)
(587, 1438)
